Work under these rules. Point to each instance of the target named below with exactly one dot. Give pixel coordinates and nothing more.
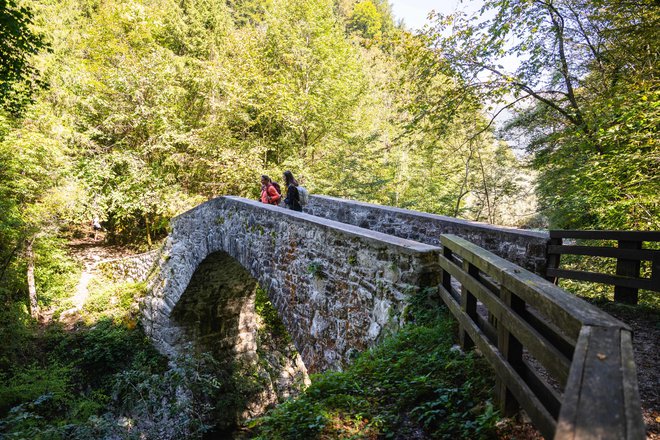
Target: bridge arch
(336, 287)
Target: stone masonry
(134, 268)
(522, 247)
(337, 287)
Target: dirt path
(646, 346)
(90, 254)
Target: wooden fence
(628, 255)
(565, 362)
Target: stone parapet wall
(135, 268)
(337, 287)
(522, 247)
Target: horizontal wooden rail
(629, 254)
(615, 280)
(607, 235)
(565, 362)
(607, 252)
(602, 398)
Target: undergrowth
(112, 300)
(415, 384)
(102, 380)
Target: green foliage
(608, 179)
(411, 380)
(29, 383)
(154, 106)
(234, 90)
(586, 95)
(35, 200)
(366, 20)
(18, 43)
(313, 82)
(603, 294)
(105, 349)
(112, 300)
(272, 323)
(155, 402)
(56, 272)
(106, 381)
(315, 268)
(16, 330)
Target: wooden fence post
(511, 350)
(446, 276)
(468, 305)
(552, 260)
(628, 268)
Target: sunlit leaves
(585, 86)
(18, 44)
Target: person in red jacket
(268, 192)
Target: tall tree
(313, 80)
(18, 44)
(586, 92)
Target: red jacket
(270, 195)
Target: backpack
(303, 195)
(277, 187)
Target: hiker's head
(289, 179)
(265, 180)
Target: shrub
(30, 383)
(412, 381)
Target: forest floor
(89, 253)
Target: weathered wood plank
(638, 283)
(607, 235)
(566, 422)
(512, 351)
(634, 420)
(550, 357)
(566, 311)
(553, 259)
(483, 260)
(540, 416)
(469, 307)
(445, 279)
(545, 393)
(601, 398)
(601, 411)
(602, 251)
(595, 404)
(551, 332)
(487, 328)
(655, 270)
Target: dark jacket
(292, 200)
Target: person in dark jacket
(292, 200)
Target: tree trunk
(146, 222)
(32, 287)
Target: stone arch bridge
(338, 274)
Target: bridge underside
(217, 308)
(216, 314)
